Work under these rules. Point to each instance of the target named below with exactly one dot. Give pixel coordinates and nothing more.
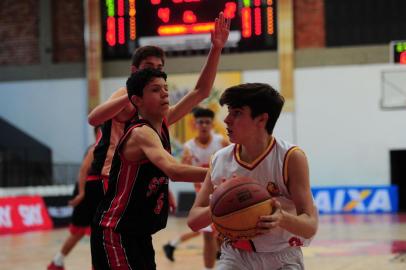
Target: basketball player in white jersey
(198, 151)
(278, 165)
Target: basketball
(236, 206)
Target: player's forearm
(199, 217)
(219, 38)
(304, 225)
(107, 110)
(84, 168)
(187, 173)
(208, 74)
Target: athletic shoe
(53, 266)
(169, 249)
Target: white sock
(58, 259)
(175, 242)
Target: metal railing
(23, 173)
(65, 173)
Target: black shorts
(83, 213)
(113, 250)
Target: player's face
(155, 98)
(151, 62)
(239, 124)
(204, 125)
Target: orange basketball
(237, 204)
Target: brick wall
(309, 24)
(19, 32)
(68, 27)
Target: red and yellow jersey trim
(252, 165)
(286, 163)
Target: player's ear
(263, 119)
(136, 100)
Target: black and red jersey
(137, 197)
(111, 132)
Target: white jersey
(270, 169)
(200, 154)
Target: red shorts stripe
(115, 251)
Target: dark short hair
(139, 79)
(202, 112)
(146, 51)
(259, 97)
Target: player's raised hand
(221, 31)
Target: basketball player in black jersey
(127, 233)
(116, 113)
(136, 203)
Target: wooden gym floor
(350, 242)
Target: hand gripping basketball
(236, 206)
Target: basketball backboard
(393, 89)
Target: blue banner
(356, 200)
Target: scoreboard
(398, 51)
(183, 26)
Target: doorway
(398, 175)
